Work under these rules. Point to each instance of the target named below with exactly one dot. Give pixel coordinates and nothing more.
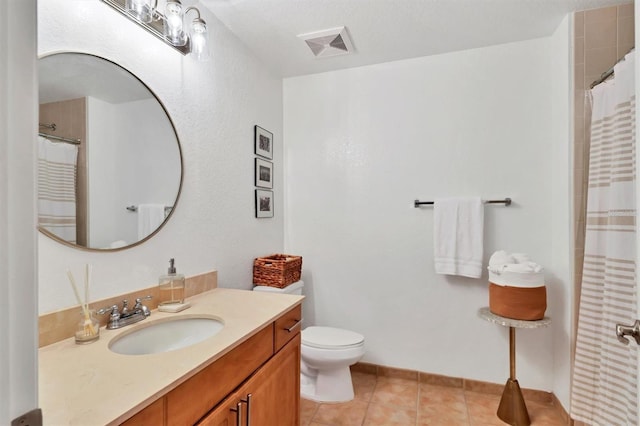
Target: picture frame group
(263, 179)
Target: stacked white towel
(515, 270)
(458, 236)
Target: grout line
(418, 394)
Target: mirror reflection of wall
(128, 145)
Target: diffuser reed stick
(88, 324)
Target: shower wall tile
(578, 24)
(626, 34)
(625, 10)
(601, 28)
(598, 60)
(578, 75)
(578, 50)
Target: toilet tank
(293, 288)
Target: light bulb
(199, 44)
(140, 10)
(173, 24)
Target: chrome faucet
(121, 318)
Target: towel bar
(506, 202)
(135, 208)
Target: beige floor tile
(398, 392)
(438, 395)
(441, 405)
(482, 409)
(544, 415)
(485, 420)
(363, 385)
(307, 411)
(443, 420)
(389, 415)
(342, 414)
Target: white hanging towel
(150, 217)
(458, 236)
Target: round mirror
(109, 159)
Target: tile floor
(385, 401)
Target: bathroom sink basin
(164, 336)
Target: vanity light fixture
(168, 26)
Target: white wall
(133, 159)
(18, 279)
(560, 295)
(214, 107)
(102, 191)
(362, 144)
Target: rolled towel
(501, 257)
(521, 257)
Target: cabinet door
(225, 414)
(271, 397)
(194, 398)
(275, 389)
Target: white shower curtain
(604, 378)
(57, 171)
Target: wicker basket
(277, 270)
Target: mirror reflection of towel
(57, 168)
(150, 217)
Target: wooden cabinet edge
(153, 414)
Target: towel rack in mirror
(134, 208)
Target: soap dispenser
(171, 294)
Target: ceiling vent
(332, 42)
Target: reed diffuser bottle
(171, 297)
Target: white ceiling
(386, 30)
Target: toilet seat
(331, 338)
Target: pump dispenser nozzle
(171, 292)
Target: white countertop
(90, 385)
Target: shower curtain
(604, 390)
(57, 171)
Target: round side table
(512, 409)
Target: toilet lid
(330, 337)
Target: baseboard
(459, 382)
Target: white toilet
(327, 353)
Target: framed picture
(263, 143)
(264, 173)
(264, 203)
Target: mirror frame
(175, 132)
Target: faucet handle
(139, 306)
(112, 310)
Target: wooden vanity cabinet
(265, 366)
(270, 397)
